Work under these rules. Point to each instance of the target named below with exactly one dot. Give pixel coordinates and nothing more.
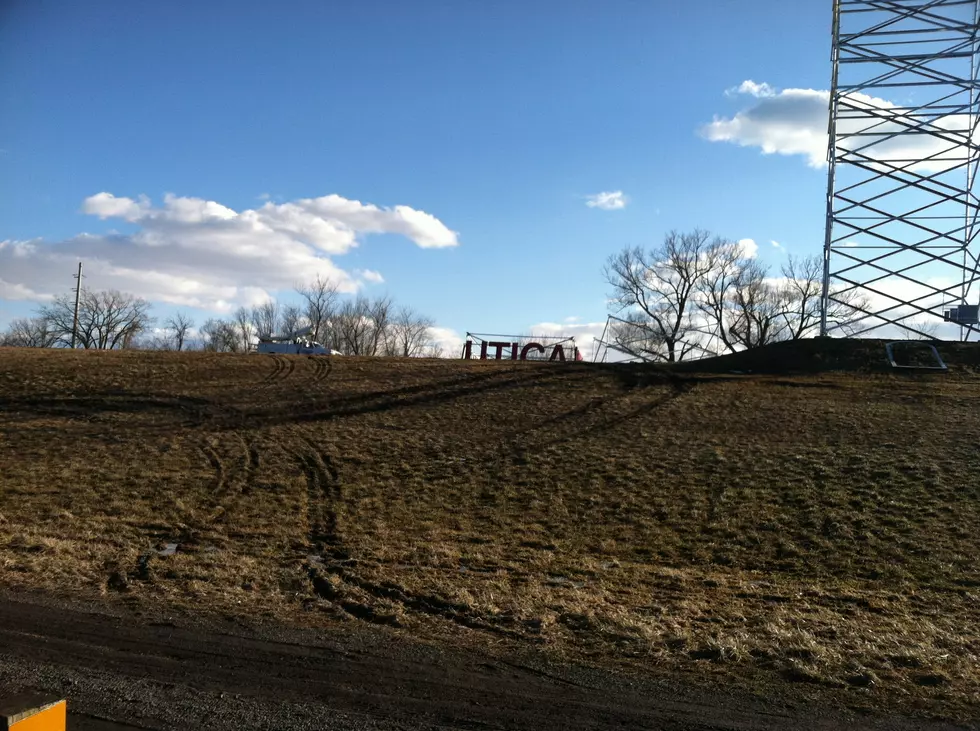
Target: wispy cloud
(371, 276)
(607, 200)
(777, 245)
(752, 89)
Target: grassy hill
(811, 518)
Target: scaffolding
(901, 249)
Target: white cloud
(371, 276)
(106, 205)
(777, 245)
(750, 249)
(199, 253)
(607, 200)
(794, 122)
(11, 291)
(790, 122)
(448, 339)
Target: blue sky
(498, 119)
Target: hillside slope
(816, 528)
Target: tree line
(109, 320)
(696, 295)
(690, 296)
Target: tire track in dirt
(427, 604)
(598, 415)
(266, 399)
(217, 465)
(240, 483)
(282, 369)
(324, 494)
(193, 525)
(278, 365)
(230, 483)
(322, 366)
(254, 461)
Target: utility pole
(78, 290)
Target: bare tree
(408, 334)
(351, 327)
(179, 326)
(804, 282)
(30, 332)
(920, 328)
(265, 318)
(379, 313)
(756, 315)
(291, 319)
(242, 325)
(364, 327)
(219, 336)
(319, 297)
(715, 290)
(106, 320)
(633, 336)
(658, 289)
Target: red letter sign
(531, 346)
(500, 349)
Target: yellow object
(32, 712)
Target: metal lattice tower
(901, 239)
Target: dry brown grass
(818, 528)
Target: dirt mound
(826, 355)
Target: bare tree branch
(265, 319)
(319, 297)
(662, 286)
(408, 334)
(179, 325)
(757, 308)
(291, 320)
(804, 280)
(242, 325)
(33, 332)
(220, 337)
(351, 327)
(106, 320)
